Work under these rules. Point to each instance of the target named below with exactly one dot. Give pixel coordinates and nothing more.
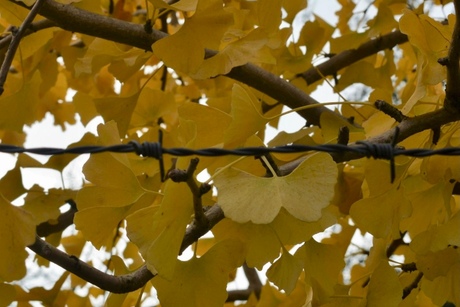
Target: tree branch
(122, 283)
(64, 220)
(452, 100)
(33, 27)
(76, 20)
(14, 43)
(348, 57)
(255, 285)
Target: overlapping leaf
(184, 50)
(158, 230)
(201, 281)
(17, 231)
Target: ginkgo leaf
(261, 242)
(246, 116)
(118, 109)
(14, 115)
(443, 288)
(285, 271)
(7, 294)
(381, 215)
(184, 50)
(198, 276)
(384, 287)
(303, 193)
(114, 184)
(438, 237)
(17, 231)
(250, 48)
(182, 5)
(158, 231)
(322, 265)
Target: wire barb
(156, 150)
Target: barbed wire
(156, 150)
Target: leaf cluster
(216, 74)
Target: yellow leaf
(432, 40)
(383, 23)
(322, 264)
(151, 105)
(183, 5)
(20, 108)
(444, 288)
(432, 203)
(114, 184)
(11, 184)
(45, 206)
(285, 272)
(210, 124)
(158, 231)
(291, 230)
(118, 109)
(435, 264)
(17, 230)
(89, 220)
(249, 48)
(438, 238)
(246, 116)
(184, 50)
(384, 287)
(292, 7)
(261, 242)
(12, 12)
(330, 125)
(7, 294)
(303, 193)
(205, 275)
(381, 215)
(123, 61)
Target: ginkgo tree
(212, 74)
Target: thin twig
(255, 285)
(14, 44)
(414, 284)
(348, 57)
(63, 221)
(389, 110)
(200, 217)
(34, 27)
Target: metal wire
(156, 150)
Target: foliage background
(221, 76)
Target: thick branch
(115, 284)
(351, 56)
(123, 283)
(452, 100)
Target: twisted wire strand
(155, 150)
